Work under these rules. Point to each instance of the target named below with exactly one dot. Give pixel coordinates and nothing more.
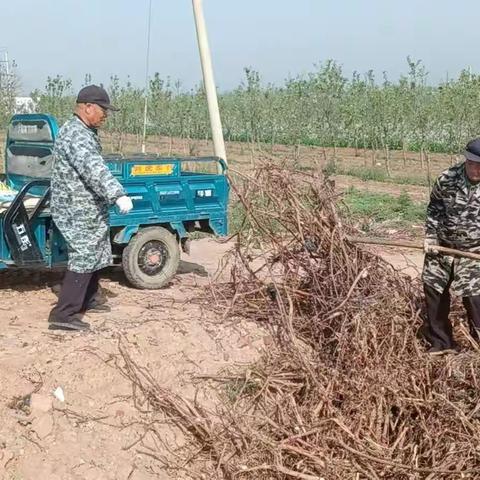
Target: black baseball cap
(97, 95)
(472, 150)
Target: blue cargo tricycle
(171, 199)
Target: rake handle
(417, 246)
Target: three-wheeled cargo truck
(169, 202)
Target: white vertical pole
(209, 81)
(147, 59)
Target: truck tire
(151, 258)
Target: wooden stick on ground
(417, 246)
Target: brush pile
(345, 391)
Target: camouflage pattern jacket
(453, 218)
(82, 189)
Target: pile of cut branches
(346, 390)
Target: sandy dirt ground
(92, 434)
(406, 261)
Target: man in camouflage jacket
(453, 220)
(82, 190)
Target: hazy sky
(279, 38)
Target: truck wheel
(151, 258)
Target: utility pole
(147, 60)
(209, 82)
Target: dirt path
(416, 192)
(92, 435)
(406, 261)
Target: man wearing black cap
(82, 191)
(453, 220)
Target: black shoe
(95, 307)
(75, 324)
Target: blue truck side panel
(172, 199)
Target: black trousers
(77, 292)
(437, 328)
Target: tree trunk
(110, 138)
(120, 143)
(387, 161)
(429, 178)
(404, 152)
(422, 161)
(296, 152)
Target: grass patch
(380, 175)
(373, 174)
(365, 174)
(396, 210)
(383, 207)
(422, 182)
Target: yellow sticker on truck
(164, 169)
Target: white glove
(429, 245)
(124, 204)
